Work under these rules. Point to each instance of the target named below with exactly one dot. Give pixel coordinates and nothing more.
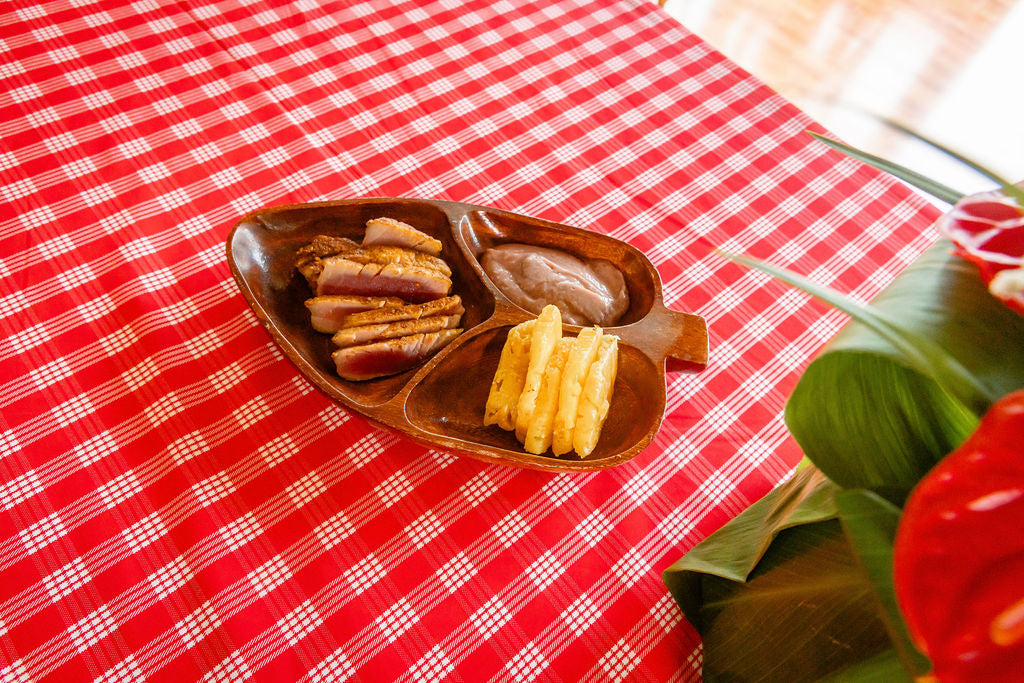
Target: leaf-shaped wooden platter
(441, 402)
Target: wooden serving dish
(442, 401)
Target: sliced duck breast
(398, 256)
(391, 356)
(328, 313)
(308, 258)
(449, 305)
(396, 233)
(412, 283)
(368, 334)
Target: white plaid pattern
(43, 533)
(666, 613)
(424, 529)
(241, 531)
(163, 409)
(194, 628)
(640, 488)
(157, 431)
(188, 447)
(171, 577)
(127, 671)
(231, 669)
(17, 491)
(15, 672)
(545, 570)
(619, 662)
(8, 443)
(120, 489)
(393, 489)
(527, 665)
(252, 412)
(144, 532)
(305, 490)
(432, 666)
(478, 489)
(269, 576)
(299, 623)
(455, 573)
(511, 529)
(581, 614)
(362, 575)
(631, 567)
(334, 530)
(489, 619)
(213, 489)
(334, 669)
(67, 579)
(93, 628)
(396, 620)
(594, 528)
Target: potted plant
(894, 552)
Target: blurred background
(950, 69)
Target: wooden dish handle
(680, 338)
(688, 350)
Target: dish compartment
(483, 230)
(441, 402)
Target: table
(180, 504)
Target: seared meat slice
(307, 258)
(391, 356)
(368, 334)
(328, 313)
(398, 256)
(449, 305)
(412, 283)
(399, 234)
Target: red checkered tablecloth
(180, 504)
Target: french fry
(547, 330)
(584, 350)
(508, 379)
(538, 434)
(596, 397)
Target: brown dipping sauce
(591, 292)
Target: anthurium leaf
(932, 187)
(733, 551)
(870, 525)
(878, 407)
(804, 613)
(1005, 185)
(885, 667)
(919, 352)
(776, 592)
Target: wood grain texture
(441, 402)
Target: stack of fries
(554, 392)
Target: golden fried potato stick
(583, 353)
(596, 396)
(547, 330)
(509, 377)
(538, 434)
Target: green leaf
(882, 668)
(734, 550)
(1005, 185)
(919, 352)
(870, 524)
(903, 384)
(932, 187)
(776, 592)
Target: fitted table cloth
(179, 503)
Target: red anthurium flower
(958, 563)
(988, 229)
